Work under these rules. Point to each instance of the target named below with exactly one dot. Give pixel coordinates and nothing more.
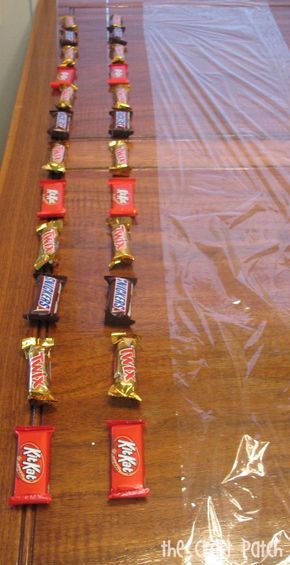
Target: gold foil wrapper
(49, 233)
(68, 22)
(37, 352)
(124, 385)
(119, 150)
(117, 53)
(120, 96)
(120, 231)
(69, 56)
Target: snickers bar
(45, 304)
(121, 124)
(69, 37)
(119, 300)
(61, 127)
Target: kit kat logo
(30, 463)
(125, 456)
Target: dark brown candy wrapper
(61, 127)
(45, 304)
(68, 37)
(121, 124)
(119, 300)
(117, 35)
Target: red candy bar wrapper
(118, 74)
(31, 484)
(65, 77)
(127, 459)
(52, 201)
(122, 191)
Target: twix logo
(48, 241)
(38, 373)
(119, 235)
(127, 361)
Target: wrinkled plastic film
(220, 85)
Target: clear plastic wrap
(220, 85)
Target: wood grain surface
(81, 527)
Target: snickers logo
(120, 296)
(46, 294)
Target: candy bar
(68, 22)
(122, 192)
(120, 96)
(55, 165)
(52, 201)
(116, 35)
(31, 485)
(45, 304)
(118, 73)
(66, 98)
(121, 228)
(124, 366)
(49, 233)
(70, 55)
(65, 77)
(127, 459)
(119, 300)
(37, 352)
(61, 127)
(115, 21)
(119, 150)
(121, 124)
(117, 53)
(69, 37)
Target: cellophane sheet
(219, 76)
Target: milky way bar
(68, 37)
(120, 127)
(45, 305)
(61, 126)
(119, 300)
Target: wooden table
(198, 401)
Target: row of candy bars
(31, 484)
(127, 463)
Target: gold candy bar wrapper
(120, 96)
(120, 149)
(124, 366)
(37, 352)
(49, 233)
(66, 99)
(70, 55)
(68, 22)
(56, 158)
(120, 231)
(117, 53)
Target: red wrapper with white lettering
(49, 233)
(122, 192)
(127, 459)
(32, 473)
(52, 201)
(118, 73)
(37, 352)
(65, 77)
